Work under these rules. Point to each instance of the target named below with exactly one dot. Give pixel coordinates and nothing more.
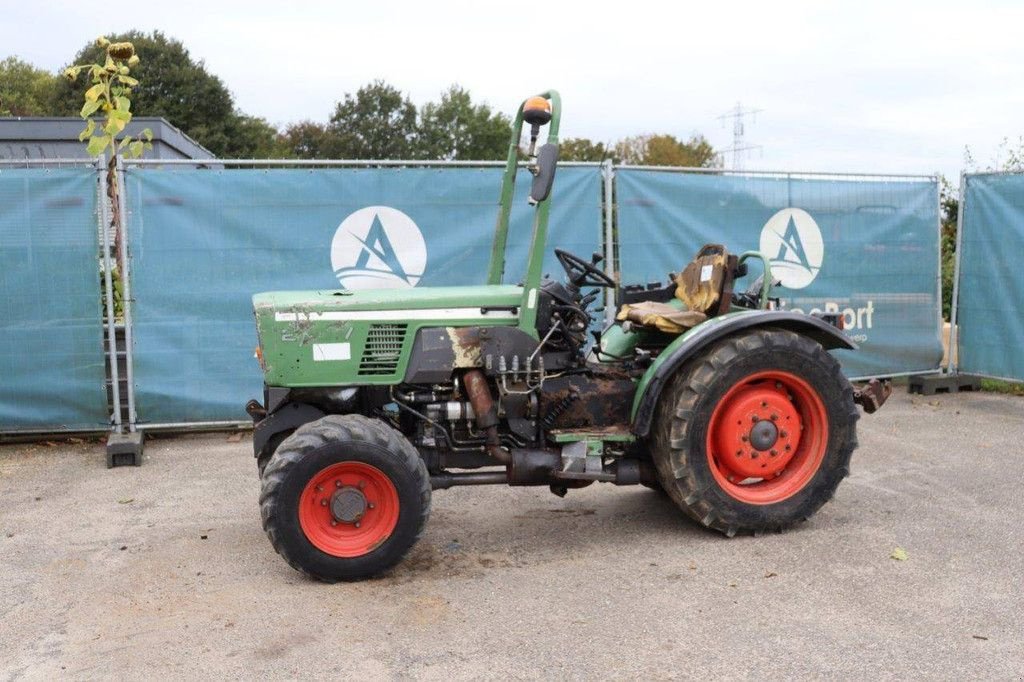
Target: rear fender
(692, 343)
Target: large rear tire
(757, 433)
(344, 498)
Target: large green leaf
(90, 127)
(98, 144)
(93, 93)
(89, 108)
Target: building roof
(45, 137)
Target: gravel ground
(163, 571)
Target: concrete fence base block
(930, 384)
(125, 449)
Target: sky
(869, 87)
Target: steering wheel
(581, 273)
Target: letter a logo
(378, 247)
(792, 242)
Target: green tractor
(732, 408)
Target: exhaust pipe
(486, 413)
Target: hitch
(872, 395)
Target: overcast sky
(895, 87)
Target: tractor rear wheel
(757, 433)
(344, 498)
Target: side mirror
(547, 160)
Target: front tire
(344, 498)
(757, 433)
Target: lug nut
(773, 452)
(764, 403)
(743, 438)
(778, 384)
(775, 417)
(784, 434)
(362, 484)
(319, 488)
(357, 524)
(788, 448)
(323, 503)
(337, 484)
(754, 418)
(753, 454)
(369, 506)
(739, 453)
(334, 523)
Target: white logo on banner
(378, 247)
(792, 242)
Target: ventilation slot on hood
(383, 349)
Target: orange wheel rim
(348, 509)
(767, 437)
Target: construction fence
(197, 242)
(989, 281)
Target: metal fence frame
(221, 164)
(813, 175)
(953, 365)
(102, 220)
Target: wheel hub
(756, 432)
(763, 435)
(348, 504)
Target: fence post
(108, 283)
(610, 304)
(953, 366)
(126, 289)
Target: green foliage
(950, 204)
(108, 100)
(455, 128)
(252, 137)
(24, 89)
(180, 89)
(666, 150)
(378, 122)
(305, 140)
(582, 149)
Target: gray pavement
(163, 571)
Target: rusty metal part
(480, 398)
(255, 410)
(872, 395)
(593, 398)
(532, 467)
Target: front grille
(382, 350)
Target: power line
(739, 146)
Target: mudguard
(288, 417)
(693, 342)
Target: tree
(177, 87)
(305, 140)
(666, 150)
(25, 90)
(378, 122)
(252, 137)
(455, 128)
(582, 149)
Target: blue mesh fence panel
(991, 329)
(867, 248)
(51, 334)
(203, 241)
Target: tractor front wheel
(344, 498)
(757, 433)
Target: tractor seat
(702, 290)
